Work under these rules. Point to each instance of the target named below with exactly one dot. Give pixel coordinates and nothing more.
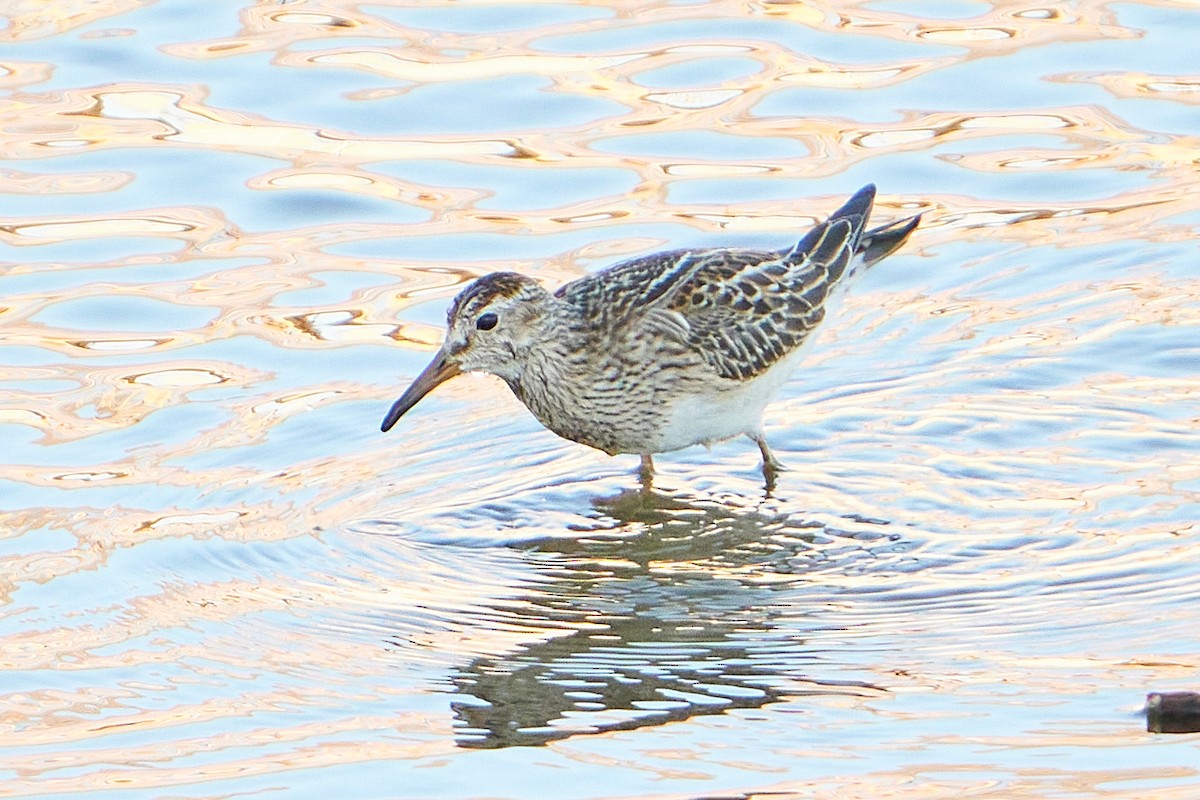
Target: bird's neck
(548, 364)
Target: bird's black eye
(486, 321)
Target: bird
(663, 351)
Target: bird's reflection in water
(672, 610)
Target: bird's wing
(746, 310)
(740, 311)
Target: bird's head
(488, 327)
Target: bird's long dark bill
(438, 371)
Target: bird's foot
(770, 471)
(771, 466)
(646, 472)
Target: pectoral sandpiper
(664, 351)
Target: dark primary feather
(742, 310)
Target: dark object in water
(1173, 712)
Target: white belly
(714, 416)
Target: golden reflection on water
(211, 473)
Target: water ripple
(228, 239)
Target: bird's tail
(843, 240)
(881, 242)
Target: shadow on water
(673, 605)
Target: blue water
(228, 236)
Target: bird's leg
(646, 471)
(771, 467)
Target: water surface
(228, 234)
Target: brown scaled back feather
(741, 310)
